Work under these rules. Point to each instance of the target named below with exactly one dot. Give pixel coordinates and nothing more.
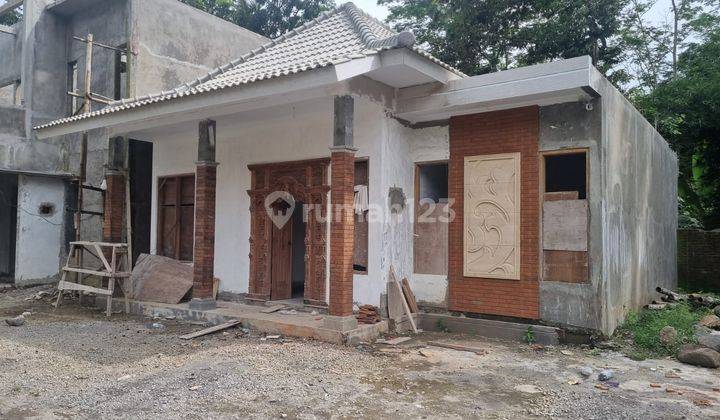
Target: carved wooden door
(281, 263)
(491, 232)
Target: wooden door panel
(281, 263)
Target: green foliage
(10, 18)
(270, 18)
(644, 328)
(442, 327)
(529, 335)
(686, 110)
(490, 35)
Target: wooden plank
(409, 296)
(457, 347)
(396, 284)
(101, 256)
(66, 285)
(160, 279)
(210, 330)
(95, 273)
(102, 244)
(272, 309)
(397, 340)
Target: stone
(606, 375)
(586, 371)
(26, 314)
(716, 311)
(699, 356)
(701, 330)
(711, 341)
(711, 321)
(18, 321)
(668, 335)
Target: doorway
(8, 225)
(140, 163)
(288, 254)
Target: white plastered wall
(39, 237)
(297, 132)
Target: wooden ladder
(113, 270)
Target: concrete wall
(39, 238)
(640, 209)
(569, 126)
(10, 46)
(177, 43)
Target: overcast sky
(659, 13)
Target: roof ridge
(357, 17)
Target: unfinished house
(140, 47)
(308, 167)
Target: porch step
(301, 325)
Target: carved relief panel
(491, 228)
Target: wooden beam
(10, 5)
(66, 285)
(210, 330)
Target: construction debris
(160, 279)
(368, 314)
(394, 341)
(210, 330)
(272, 309)
(409, 296)
(18, 321)
(397, 305)
(458, 347)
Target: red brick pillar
(342, 228)
(204, 253)
(114, 207)
(204, 250)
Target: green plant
(644, 328)
(442, 327)
(529, 335)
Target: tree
(571, 28)
(474, 36)
(480, 36)
(270, 18)
(10, 18)
(686, 108)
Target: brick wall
(204, 251)
(342, 232)
(114, 207)
(507, 131)
(698, 260)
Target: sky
(658, 13)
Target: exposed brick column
(204, 250)
(114, 211)
(114, 203)
(342, 229)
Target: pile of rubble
(706, 352)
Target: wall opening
(430, 244)
(566, 172)
(360, 260)
(298, 252)
(8, 225)
(120, 73)
(140, 165)
(72, 86)
(565, 217)
(10, 94)
(176, 217)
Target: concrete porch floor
(300, 324)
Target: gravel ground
(73, 363)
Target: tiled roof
(334, 37)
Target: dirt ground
(74, 363)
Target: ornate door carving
(491, 228)
(307, 182)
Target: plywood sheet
(565, 266)
(430, 244)
(491, 228)
(565, 225)
(160, 279)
